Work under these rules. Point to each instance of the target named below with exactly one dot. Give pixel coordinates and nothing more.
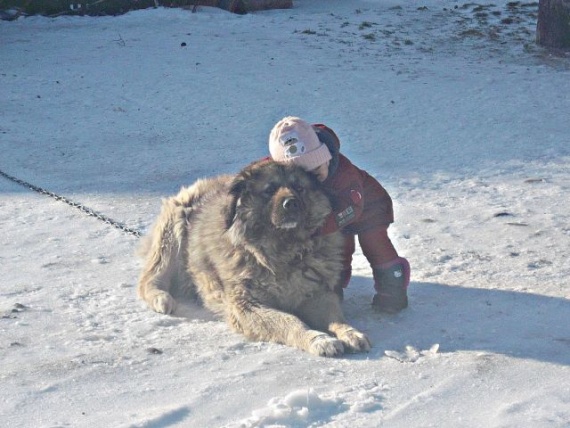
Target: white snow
(462, 118)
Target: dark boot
(391, 283)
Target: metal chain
(73, 204)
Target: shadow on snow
(458, 318)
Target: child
(361, 206)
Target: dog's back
(165, 247)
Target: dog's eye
(269, 190)
(297, 187)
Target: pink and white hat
(294, 140)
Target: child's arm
(348, 209)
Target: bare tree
(553, 28)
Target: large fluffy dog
(248, 246)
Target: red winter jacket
(360, 203)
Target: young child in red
(361, 206)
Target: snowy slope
(450, 105)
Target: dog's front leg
(263, 323)
(324, 312)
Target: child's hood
(328, 137)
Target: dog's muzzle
(288, 213)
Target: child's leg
(348, 251)
(376, 246)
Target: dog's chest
(297, 282)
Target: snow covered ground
(449, 104)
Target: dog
(248, 247)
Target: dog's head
(273, 198)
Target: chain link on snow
(80, 207)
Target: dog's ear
(236, 189)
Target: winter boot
(391, 283)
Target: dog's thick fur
(247, 245)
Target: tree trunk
(553, 27)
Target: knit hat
(294, 140)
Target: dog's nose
(290, 204)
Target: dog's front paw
(324, 345)
(162, 302)
(355, 340)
